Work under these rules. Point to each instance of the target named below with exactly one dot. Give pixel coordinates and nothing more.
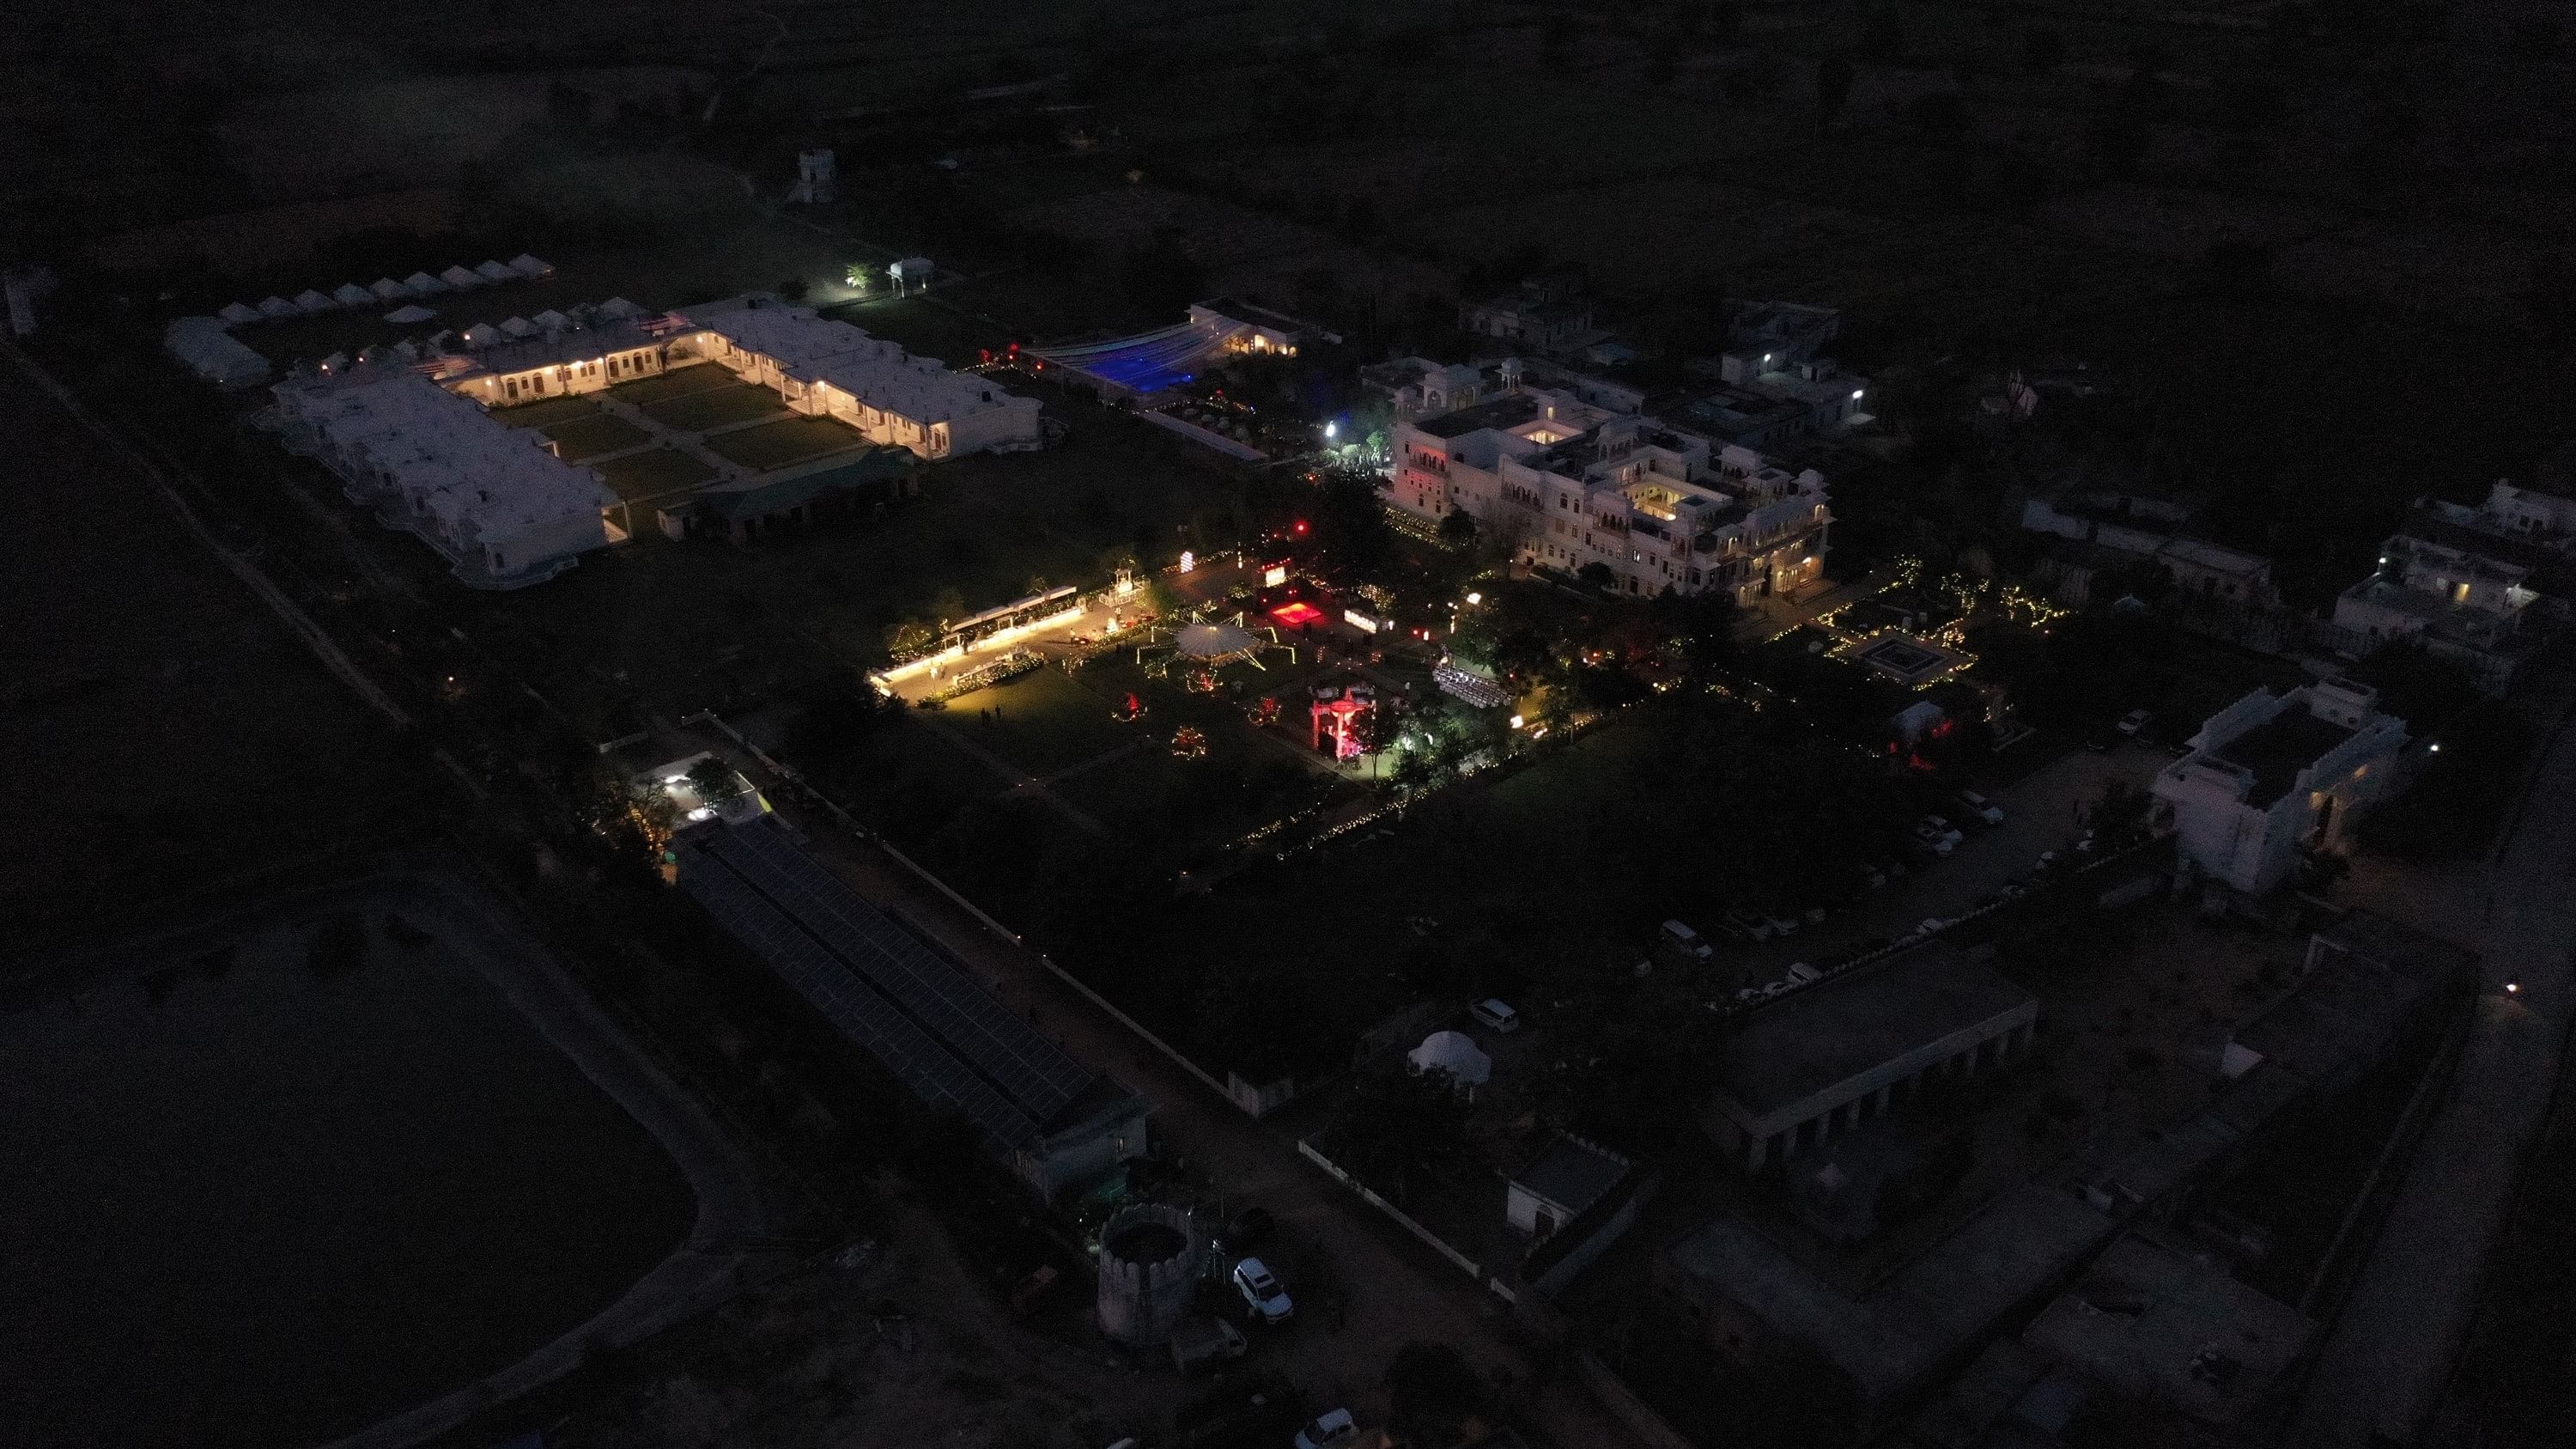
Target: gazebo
(1335, 715)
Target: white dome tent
(1453, 1052)
(460, 280)
(389, 290)
(350, 294)
(422, 284)
(235, 314)
(497, 272)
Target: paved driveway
(2042, 812)
(2392, 1349)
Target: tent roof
(236, 313)
(350, 294)
(518, 326)
(414, 313)
(551, 319)
(1214, 641)
(275, 306)
(424, 284)
(528, 266)
(460, 277)
(388, 288)
(309, 300)
(619, 307)
(497, 272)
(1453, 1052)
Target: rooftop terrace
(1837, 1030)
(2274, 752)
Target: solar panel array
(937, 1031)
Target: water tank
(1149, 1259)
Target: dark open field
(180, 733)
(273, 1202)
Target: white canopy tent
(310, 302)
(518, 327)
(422, 284)
(619, 307)
(551, 320)
(350, 294)
(405, 316)
(529, 267)
(459, 279)
(482, 334)
(1453, 1052)
(275, 306)
(1214, 641)
(389, 290)
(235, 314)
(497, 272)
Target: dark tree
(1162, 280)
(1458, 528)
(1833, 87)
(1941, 115)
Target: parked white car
(1981, 808)
(1328, 1430)
(1262, 1291)
(1496, 1015)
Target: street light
(1331, 428)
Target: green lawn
(715, 407)
(589, 437)
(1042, 722)
(549, 414)
(679, 382)
(787, 441)
(653, 472)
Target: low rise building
(1849, 1050)
(2485, 587)
(2157, 1327)
(1543, 314)
(2272, 775)
(494, 501)
(1562, 1184)
(888, 395)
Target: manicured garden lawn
(680, 382)
(551, 413)
(778, 444)
(715, 407)
(1042, 722)
(591, 436)
(652, 472)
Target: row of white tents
(349, 296)
(548, 323)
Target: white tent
(337, 362)
(389, 290)
(440, 341)
(482, 334)
(309, 301)
(496, 272)
(528, 266)
(1453, 1052)
(422, 284)
(619, 307)
(1214, 641)
(519, 327)
(551, 320)
(350, 294)
(213, 354)
(405, 316)
(461, 279)
(235, 314)
(407, 350)
(373, 353)
(274, 306)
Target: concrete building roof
(1837, 1030)
(2274, 752)
(1933, 1315)
(445, 454)
(882, 375)
(1572, 1174)
(1501, 412)
(2155, 1324)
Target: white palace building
(410, 431)
(1570, 482)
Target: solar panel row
(851, 1003)
(1028, 1068)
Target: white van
(1496, 1015)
